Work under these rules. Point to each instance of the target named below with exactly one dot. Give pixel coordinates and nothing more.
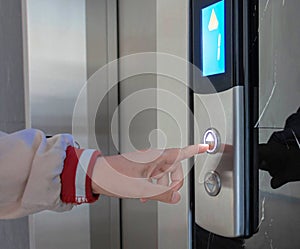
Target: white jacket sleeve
(42, 174)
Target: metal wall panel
(12, 109)
(14, 234)
(69, 43)
(57, 71)
(137, 34)
(155, 26)
(101, 31)
(173, 38)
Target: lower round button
(212, 183)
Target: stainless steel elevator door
(14, 234)
(137, 34)
(69, 42)
(57, 71)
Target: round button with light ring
(212, 138)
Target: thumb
(277, 182)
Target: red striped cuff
(76, 176)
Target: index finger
(188, 152)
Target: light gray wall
(14, 234)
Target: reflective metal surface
(137, 34)
(66, 47)
(14, 234)
(154, 26)
(101, 48)
(223, 214)
(174, 221)
(69, 43)
(57, 71)
(279, 98)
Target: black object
(208, 240)
(281, 155)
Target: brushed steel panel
(224, 213)
(57, 71)
(101, 33)
(174, 221)
(14, 234)
(137, 33)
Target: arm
(50, 174)
(149, 175)
(35, 175)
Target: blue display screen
(213, 39)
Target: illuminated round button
(212, 183)
(212, 138)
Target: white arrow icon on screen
(213, 22)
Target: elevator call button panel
(225, 84)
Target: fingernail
(202, 148)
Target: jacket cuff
(76, 176)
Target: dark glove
(282, 163)
(281, 155)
